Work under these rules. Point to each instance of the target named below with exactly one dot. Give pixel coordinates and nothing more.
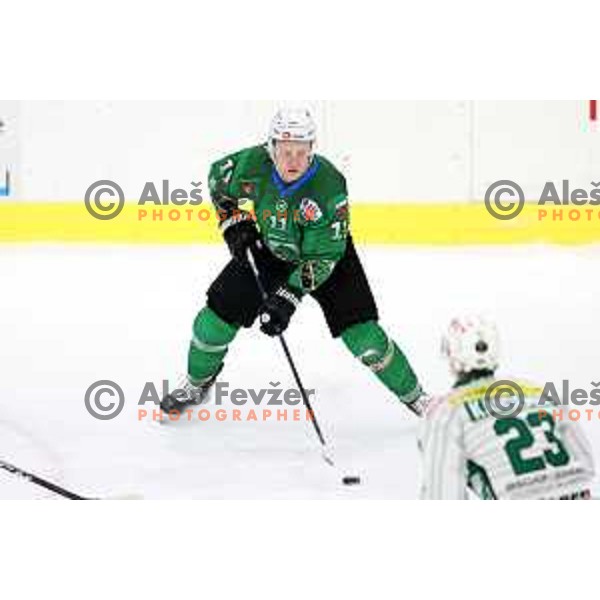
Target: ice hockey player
(495, 450)
(299, 236)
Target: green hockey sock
(208, 347)
(369, 343)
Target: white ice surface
(72, 315)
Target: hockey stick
(41, 482)
(31, 478)
(290, 360)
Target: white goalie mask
(471, 343)
(291, 124)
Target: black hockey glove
(240, 233)
(277, 310)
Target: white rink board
(400, 151)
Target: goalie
(467, 443)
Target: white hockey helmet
(471, 343)
(292, 124)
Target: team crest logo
(310, 210)
(281, 206)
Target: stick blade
(327, 457)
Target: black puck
(351, 480)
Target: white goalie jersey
(528, 456)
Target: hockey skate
(188, 394)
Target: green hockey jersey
(304, 222)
